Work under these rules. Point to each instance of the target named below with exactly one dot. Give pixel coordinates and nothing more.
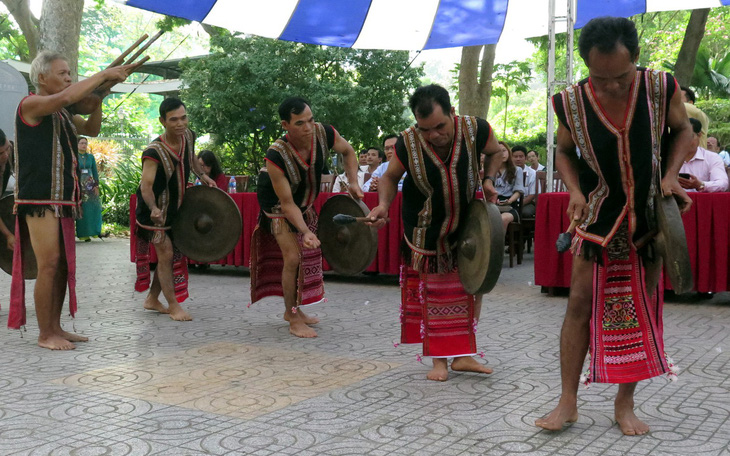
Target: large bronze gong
(481, 247)
(208, 224)
(30, 267)
(672, 244)
(350, 248)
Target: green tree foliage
(711, 77)
(718, 110)
(12, 42)
(234, 93)
(514, 77)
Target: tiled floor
(234, 381)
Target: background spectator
(702, 171)
(529, 181)
(508, 184)
(212, 168)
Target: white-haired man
(47, 193)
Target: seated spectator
(509, 186)
(389, 145)
(341, 181)
(212, 168)
(375, 158)
(714, 145)
(362, 160)
(702, 171)
(533, 161)
(529, 181)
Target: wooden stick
(139, 52)
(344, 219)
(118, 61)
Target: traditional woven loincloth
(267, 263)
(179, 269)
(16, 314)
(438, 312)
(627, 343)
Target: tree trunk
(59, 30)
(475, 84)
(685, 66)
(20, 10)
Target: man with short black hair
(166, 165)
(441, 156)
(389, 147)
(703, 171)
(534, 160)
(530, 181)
(615, 303)
(285, 256)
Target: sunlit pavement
(233, 381)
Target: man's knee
(164, 250)
(291, 261)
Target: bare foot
(178, 314)
(628, 421)
(561, 416)
(300, 329)
(156, 305)
(71, 337)
(55, 342)
(469, 364)
(307, 319)
(439, 373)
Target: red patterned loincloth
(16, 314)
(627, 343)
(438, 312)
(179, 269)
(267, 263)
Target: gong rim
(672, 245)
(208, 224)
(480, 250)
(30, 266)
(348, 249)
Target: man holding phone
(703, 170)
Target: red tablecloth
(387, 260)
(707, 227)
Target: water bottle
(232, 185)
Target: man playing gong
(619, 118)
(47, 194)
(166, 166)
(285, 256)
(441, 155)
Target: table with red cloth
(707, 227)
(387, 260)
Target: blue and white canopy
(398, 24)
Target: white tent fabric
(398, 24)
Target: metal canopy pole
(552, 83)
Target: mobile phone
(684, 175)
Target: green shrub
(117, 189)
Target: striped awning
(398, 24)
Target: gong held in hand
(208, 224)
(91, 102)
(350, 248)
(480, 250)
